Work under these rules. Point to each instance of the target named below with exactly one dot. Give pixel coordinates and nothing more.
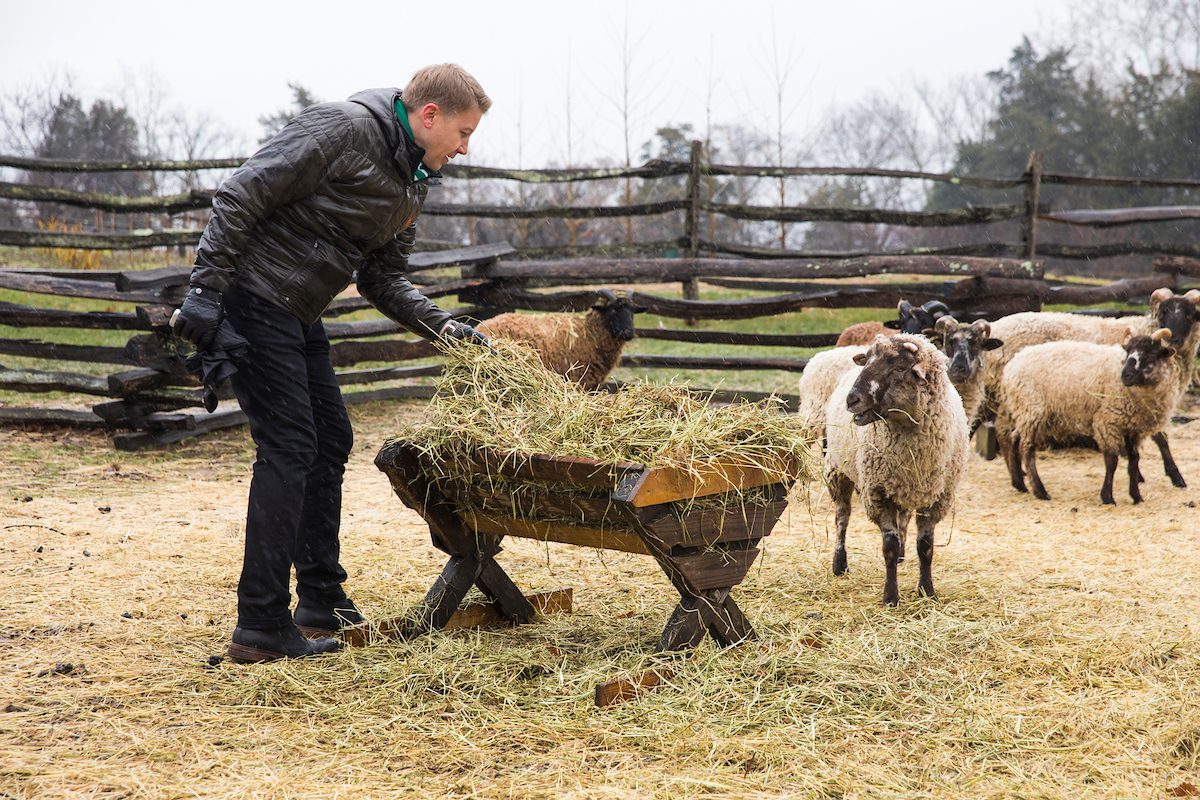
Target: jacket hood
(382, 105)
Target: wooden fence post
(1033, 176)
(691, 224)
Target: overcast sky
(689, 61)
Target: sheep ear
(1128, 335)
(893, 324)
(992, 344)
(919, 369)
(860, 359)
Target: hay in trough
(507, 401)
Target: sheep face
(892, 377)
(1147, 356)
(964, 345)
(618, 311)
(1176, 313)
(917, 319)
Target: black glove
(198, 318)
(462, 332)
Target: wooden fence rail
(144, 400)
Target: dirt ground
(1061, 659)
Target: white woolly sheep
(964, 346)
(819, 379)
(1115, 394)
(913, 319)
(581, 347)
(1177, 313)
(896, 432)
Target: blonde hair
(449, 86)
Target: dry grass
(1062, 660)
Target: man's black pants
(286, 386)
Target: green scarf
(420, 173)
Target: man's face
(444, 137)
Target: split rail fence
(149, 397)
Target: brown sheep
(581, 347)
(913, 319)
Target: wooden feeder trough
(704, 551)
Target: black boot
(315, 619)
(287, 642)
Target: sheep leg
(891, 551)
(1029, 456)
(1133, 456)
(925, 525)
(841, 488)
(902, 523)
(1164, 449)
(1010, 449)
(1110, 470)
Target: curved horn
(983, 327)
(1160, 334)
(1160, 295)
(607, 295)
(1193, 295)
(945, 324)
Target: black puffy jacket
(331, 193)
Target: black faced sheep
(964, 346)
(1115, 394)
(913, 319)
(581, 347)
(896, 432)
(1176, 313)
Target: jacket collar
(409, 153)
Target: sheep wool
(820, 378)
(577, 346)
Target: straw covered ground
(1061, 660)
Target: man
(337, 190)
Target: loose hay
(509, 402)
(1063, 660)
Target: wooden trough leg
(510, 601)
(442, 599)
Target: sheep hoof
(839, 564)
(1041, 495)
(891, 602)
(1178, 482)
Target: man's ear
(429, 113)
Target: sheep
(897, 433)
(1116, 394)
(817, 382)
(1177, 313)
(964, 346)
(912, 320)
(583, 348)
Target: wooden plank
(507, 598)
(344, 354)
(75, 418)
(707, 527)
(442, 599)
(716, 569)
(581, 535)
(139, 440)
(478, 254)
(349, 377)
(474, 615)
(604, 270)
(393, 393)
(1178, 265)
(663, 485)
(684, 629)
(34, 380)
(75, 287)
(565, 469)
(722, 337)
(519, 500)
(152, 279)
(57, 351)
(479, 615)
(19, 316)
(620, 690)
(399, 461)
(633, 360)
